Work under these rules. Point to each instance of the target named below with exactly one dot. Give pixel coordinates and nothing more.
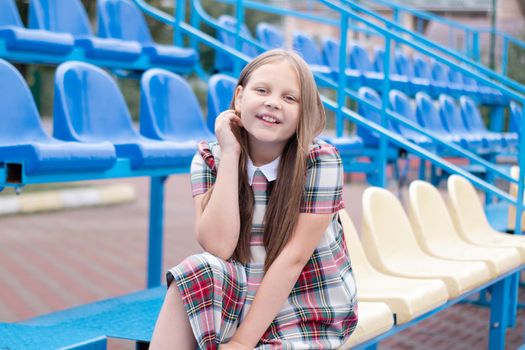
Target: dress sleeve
(324, 181)
(203, 169)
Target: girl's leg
(173, 330)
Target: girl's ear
(238, 98)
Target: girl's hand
(233, 345)
(225, 124)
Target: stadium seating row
(423, 263)
(92, 125)
(61, 30)
(461, 124)
(406, 75)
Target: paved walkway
(52, 261)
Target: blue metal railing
(446, 55)
(472, 36)
(347, 14)
(386, 135)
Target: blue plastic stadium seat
(457, 78)
(163, 117)
(440, 73)
(90, 108)
(331, 59)
(121, 19)
(223, 62)
(359, 60)
(370, 138)
(269, 35)
(422, 70)
(451, 118)
(473, 120)
(69, 16)
(486, 93)
(307, 48)
(401, 104)
(405, 67)
(221, 88)
(428, 116)
(24, 141)
(18, 38)
(516, 117)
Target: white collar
(269, 170)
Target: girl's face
(269, 104)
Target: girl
(275, 273)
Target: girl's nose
(270, 103)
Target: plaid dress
(321, 310)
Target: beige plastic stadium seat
(513, 191)
(392, 247)
(408, 298)
(436, 234)
(470, 220)
(374, 319)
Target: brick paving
(51, 261)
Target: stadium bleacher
(94, 137)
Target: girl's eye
(260, 90)
(290, 98)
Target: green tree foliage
(516, 62)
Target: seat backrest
(88, 105)
(223, 62)
(378, 63)
(9, 14)
(401, 104)
(404, 65)
(221, 88)
(387, 233)
(62, 16)
(307, 48)
(359, 59)
(427, 114)
(450, 115)
(516, 113)
(469, 81)
(164, 117)
(269, 35)
(439, 72)
(331, 53)
(471, 115)
(360, 263)
(466, 208)
(121, 19)
(429, 215)
(19, 120)
(370, 138)
(422, 68)
(455, 77)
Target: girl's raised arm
(217, 226)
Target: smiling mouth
(267, 118)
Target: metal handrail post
(239, 16)
(385, 87)
(341, 95)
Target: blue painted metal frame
(77, 54)
(428, 50)
(472, 35)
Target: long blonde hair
(285, 199)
